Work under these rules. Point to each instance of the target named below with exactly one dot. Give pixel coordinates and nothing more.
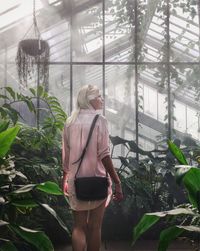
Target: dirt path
(139, 246)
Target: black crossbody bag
(90, 188)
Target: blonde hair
(85, 94)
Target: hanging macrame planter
(32, 57)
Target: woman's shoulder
(102, 120)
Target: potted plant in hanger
(33, 56)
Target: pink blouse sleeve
(65, 151)
(103, 148)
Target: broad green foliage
(148, 184)
(49, 187)
(167, 236)
(191, 181)
(177, 153)
(36, 238)
(55, 118)
(7, 245)
(190, 177)
(6, 139)
(19, 195)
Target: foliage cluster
(184, 217)
(30, 172)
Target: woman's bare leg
(94, 228)
(79, 231)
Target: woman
(88, 215)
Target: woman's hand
(118, 194)
(65, 188)
(65, 184)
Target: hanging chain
(36, 30)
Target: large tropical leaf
(135, 148)
(10, 91)
(177, 153)
(190, 228)
(171, 233)
(167, 236)
(36, 238)
(181, 170)
(25, 189)
(3, 223)
(24, 203)
(7, 245)
(144, 224)
(54, 214)
(191, 181)
(6, 139)
(12, 113)
(4, 125)
(116, 140)
(50, 188)
(148, 220)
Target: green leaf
(191, 181)
(4, 125)
(50, 188)
(6, 139)
(25, 189)
(176, 211)
(40, 91)
(144, 224)
(3, 96)
(36, 238)
(181, 170)
(54, 214)
(32, 91)
(190, 228)
(30, 105)
(19, 96)
(20, 174)
(7, 246)
(3, 112)
(13, 114)
(177, 153)
(24, 203)
(3, 223)
(11, 92)
(149, 219)
(167, 236)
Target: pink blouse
(74, 139)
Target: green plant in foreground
(184, 217)
(17, 199)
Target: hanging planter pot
(32, 57)
(33, 47)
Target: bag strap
(85, 148)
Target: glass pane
(120, 104)
(59, 85)
(58, 38)
(180, 116)
(193, 123)
(185, 82)
(9, 77)
(54, 30)
(152, 30)
(150, 101)
(14, 11)
(184, 31)
(152, 96)
(119, 31)
(87, 34)
(85, 75)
